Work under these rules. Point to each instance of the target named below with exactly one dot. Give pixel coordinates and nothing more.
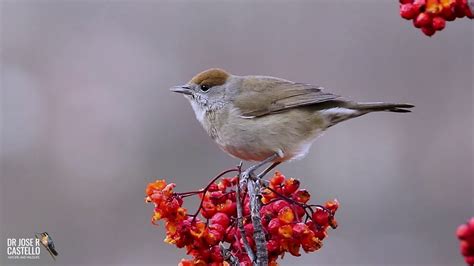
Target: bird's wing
(267, 95)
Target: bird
(267, 119)
(48, 243)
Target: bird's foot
(249, 173)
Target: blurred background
(88, 121)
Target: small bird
(47, 242)
(268, 119)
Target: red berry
(466, 249)
(470, 223)
(286, 215)
(273, 246)
(248, 229)
(321, 217)
(448, 13)
(218, 227)
(428, 31)
(299, 229)
(273, 225)
(406, 1)
(408, 11)
(220, 218)
(213, 187)
(301, 196)
(420, 5)
(469, 260)
(279, 204)
(299, 211)
(459, 11)
(439, 23)
(291, 185)
(332, 205)
(422, 20)
(463, 231)
(277, 179)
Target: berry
(408, 11)
(221, 219)
(439, 23)
(423, 20)
(428, 31)
(321, 217)
(465, 233)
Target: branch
(227, 255)
(253, 188)
(240, 222)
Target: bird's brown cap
(211, 77)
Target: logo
(30, 248)
(23, 248)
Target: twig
(227, 255)
(253, 188)
(240, 222)
(207, 188)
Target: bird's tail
(348, 110)
(379, 106)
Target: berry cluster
(289, 222)
(465, 233)
(431, 15)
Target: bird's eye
(204, 87)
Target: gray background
(88, 121)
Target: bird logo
(47, 242)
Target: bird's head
(210, 89)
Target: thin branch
(209, 185)
(227, 255)
(253, 188)
(240, 222)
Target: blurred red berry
(423, 20)
(439, 23)
(448, 13)
(420, 5)
(408, 11)
(463, 231)
(428, 30)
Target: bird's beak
(184, 89)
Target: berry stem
(207, 188)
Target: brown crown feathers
(211, 77)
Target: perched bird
(268, 119)
(47, 242)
